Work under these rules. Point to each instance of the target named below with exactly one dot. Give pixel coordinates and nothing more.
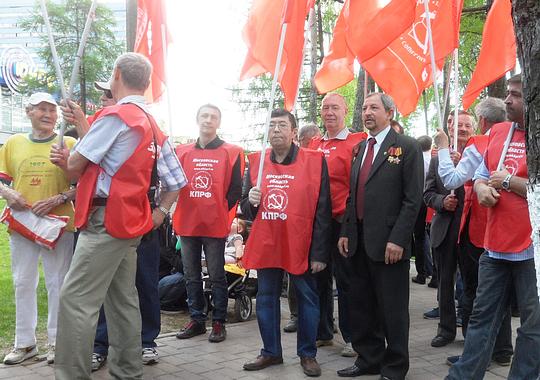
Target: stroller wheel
(243, 307)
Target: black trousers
(419, 238)
(379, 313)
(447, 260)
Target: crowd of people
(342, 207)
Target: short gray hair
(491, 109)
(386, 100)
(135, 69)
(310, 130)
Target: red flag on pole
(498, 51)
(373, 25)
(262, 33)
(337, 68)
(403, 69)
(149, 41)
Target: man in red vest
(337, 144)
(489, 111)
(291, 212)
(385, 196)
(203, 218)
(116, 161)
(508, 263)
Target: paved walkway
(198, 359)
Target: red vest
(508, 224)
(339, 155)
(478, 214)
(128, 213)
(281, 233)
(202, 208)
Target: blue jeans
(269, 312)
(496, 280)
(172, 291)
(146, 281)
(214, 250)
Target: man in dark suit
(384, 199)
(444, 231)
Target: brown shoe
(311, 367)
(262, 362)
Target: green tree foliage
(67, 21)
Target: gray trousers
(102, 272)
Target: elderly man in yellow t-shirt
(39, 184)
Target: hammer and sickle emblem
(275, 202)
(201, 182)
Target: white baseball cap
(39, 97)
(103, 86)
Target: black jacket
(393, 195)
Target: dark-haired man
(291, 212)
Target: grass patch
(7, 298)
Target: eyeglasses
(108, 94)
(281, 125)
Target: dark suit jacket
(444, 222)
(393, 195)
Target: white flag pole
(456, 98)
(168, 93)
(271, 103)
(433, 64)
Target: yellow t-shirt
(33, 175)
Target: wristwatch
(506, 182)
(163, 210)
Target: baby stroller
(241, 287)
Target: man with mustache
(384, 199)
(36, 183)
(508, 263)
(291, 212)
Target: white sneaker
(19, 355)
(50, 354)
(348, 351)
(98, 361)
(149, 356)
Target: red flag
(151, 16)
(262, 33)
(374, 26)
(403, 69)
(498, 52)
(337, 68)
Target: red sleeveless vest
(202, 208)
(339, 155)
(281, 233)
(128, 213)
(508, 224)
(477, 221)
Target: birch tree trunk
(526, 14)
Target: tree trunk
(526, 15)
(359, 102)
(312, 113)
(497, 89)
(320, 31)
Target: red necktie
(362, 178)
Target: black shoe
(451, 360)
(191, 329)
(504, 360)
(433, 284)
(432, 314)
(354, 371)
(441, 341)
(218, 333)
(291, 326)
(419, 280)
(459, 322)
